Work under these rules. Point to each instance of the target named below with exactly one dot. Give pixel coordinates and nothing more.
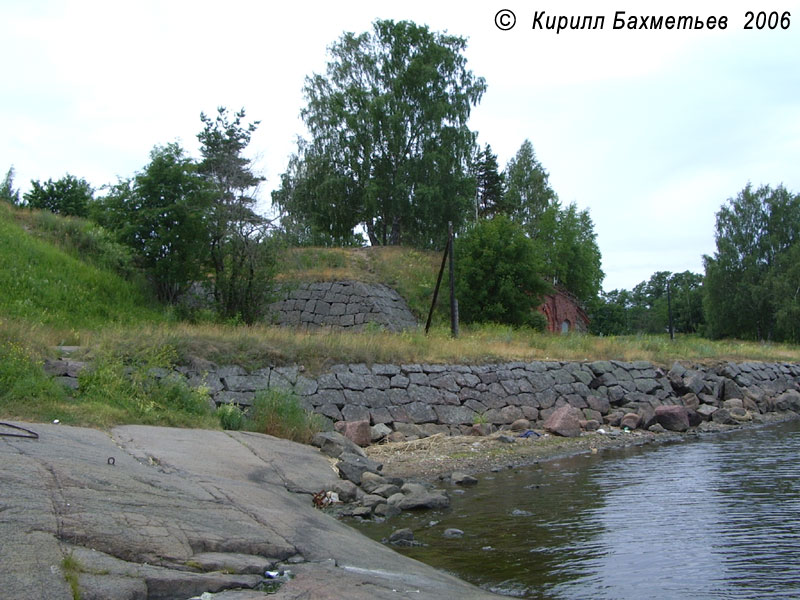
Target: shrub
(230, 417)
(22, 378)
(279, 413)
(498, 274)
(139, 386)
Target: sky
(651, 131)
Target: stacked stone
(426, 399)
(343, 304)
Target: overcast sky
(650, 130)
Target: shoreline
(436, 457)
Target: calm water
(718, 517)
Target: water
(715, 518)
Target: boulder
(459, 478)
(452, 532)
(694, 418)
(723, 417)
(401, 537)
(600, 404)
(789, 400)
(346, 490)
(591, 425)
(691, 401)
(672, 418)
(630, 420)
(334, 444)
(386, 490)
(731, 390)
(520, 425)
(733, 404)
(481, 429)
(352, 466)
(379, 432)
(423, 500)
(372, 481)
(356, 431)
(706, 410)
(387, 511)
(564, 421)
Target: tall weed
(279, 413)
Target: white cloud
(651, 131)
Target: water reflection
(714, 518)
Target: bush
(230, 417)
(67, 196)
(498, 274)
(278, 413)
(142, 389)
(22, 378)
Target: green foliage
(67, 196)
(231, 417)
(161, 214)
(22, 379)
(490, 184)
(71, 567)
(7, 191)
(566, 240)
(81, 239)
(279, 413)
(784, 281)
(390, 144)
(645, 309)
(755, 235)
(528, 192)
(43, 285)
(241, 253)
(498, 274)
(142, 387)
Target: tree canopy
(68, 196)
(161, 214)
(499, 274)
(390, 146)
(241, 256)
(7, 191)
(528, 193)
(756, 235)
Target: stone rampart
(425, 399)
(342, 304)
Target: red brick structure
(563, 313)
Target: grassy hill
(411, 272)
(66, 282)
(56, 272)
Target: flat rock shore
(150, 512)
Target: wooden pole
(669, 312)
(453, 303)
(436, 289)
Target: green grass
(411, 272)
(61, 285)
(43, 285)
(280, 414)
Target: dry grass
(317, 350)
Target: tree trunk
(394, 239)
(373, 239)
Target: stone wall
(343, 304)
(424, 399)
